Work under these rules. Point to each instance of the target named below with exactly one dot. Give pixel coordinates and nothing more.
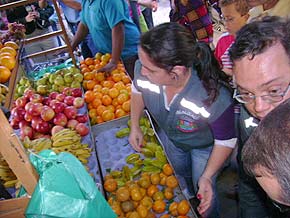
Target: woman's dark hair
(171, 44)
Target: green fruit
(41, 81)
(68, 77)
(74, 70)
(59, 80)
(21, 89)
(42, 89)
(52, 78)
(75, 84)
(78, 77)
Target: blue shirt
(71, 14)
(100, 16)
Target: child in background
(235, 15)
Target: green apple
(68, 77)
(75, 84)
(78, 77)
(59, 80)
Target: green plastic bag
(65, 189)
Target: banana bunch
(7, 176)
(3, 92)
(37, 145)
(68, 140)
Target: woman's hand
(205, 194)
(136, 138)
(108, 67)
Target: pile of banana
(151, 160)
(7, 177)
(3, 92)
(66, 140)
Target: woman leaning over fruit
(180, 83)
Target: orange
(168, 193)
(147, 202)
(120, 113)
(98, 88)
(106, 100)
(85, 84)
(8, 61)
(5, 74)
(144, 182)
(90, 84)
(165, 216)
(83, 65)
(97, 61)
(101, 109)
(89, 61)
(10, 50)
(90, 106)
(110, 185)
(122, 98)
(151, 190)
(108, 115)
(93, 112)
(117, 77)
(115, 102)
(119, 85)
(113, 92)
(171, 181)
(100, 76)
(111, 108)
(167, 169)
(96, 103)
(158, 196)
(108, 84)
(135, 194)
(11, 44)
(82, 62)
(116, 207)
(142, 211)
(84, 70)
(89, 96)
(155, 178)
(115, 71)
(183, 207)
(126, 106)
(106, 57)
(88, 75)
(159, 206)
(122, 194)
(173, 208)
(91, 67)
(98, 95)
(105, 90)
(99, 120)
(126, 79)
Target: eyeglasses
(270, 98)
(281, 207)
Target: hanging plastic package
(65, 189)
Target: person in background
(112, 30)
(198, 126)
(35, 17)
(235, 15)
(194, 15)
(261, 56)
(262, 8)
(147, 7)
(266, 156)
(71, 11)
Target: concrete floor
(228, 178)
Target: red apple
(35, 109)
(18, 113)
(82, 129)
(70, 112)
(72, 124)
(82, 118)
(28, 105)
(47, 113)
(53, 95)
(28, 117)
(46, 101)
(58, 107)
(69, 100)
(79, 102)
(43, 127)
(67, 91)
(21, 102)
(76, 92)
(60, 97)
(28, 93)
(14, 123)
(36, 98)
(60, 119)
(26, 131)
(35, 120)
(56, 129)
(23, 123)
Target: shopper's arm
(80, 35)
(73, 4)
(137, 108)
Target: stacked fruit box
(138, 184)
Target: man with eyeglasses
(261, 57)
(266, 156)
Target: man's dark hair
(257, 36)
(269, 147)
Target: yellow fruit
(10, 50)
(5, 74)
(11, 44)
(8, 61)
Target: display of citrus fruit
(5, 74)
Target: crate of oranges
(138, 185)
(107, 96)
